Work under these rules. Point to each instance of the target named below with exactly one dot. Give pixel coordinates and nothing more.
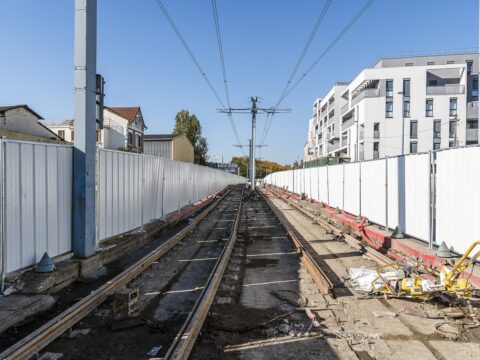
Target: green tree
(190, 126)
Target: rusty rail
(44, 335)
(319, 277)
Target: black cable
(306, 47)
(224, 71)
(329, 47)
(187, 48)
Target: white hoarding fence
(133, 189)
(390, 192)
(458, 197)
(37, 202)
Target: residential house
(22, 123)
(123, 129)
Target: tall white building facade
(408, 105)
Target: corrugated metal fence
(132, 189)
(398, 191)
(37, 202)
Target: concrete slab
(14, 309)
(409, 349)
(457, 350)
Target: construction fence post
(432, 192)
(386, 193)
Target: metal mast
(253, 110)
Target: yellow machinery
(451, 273)
(449, 281)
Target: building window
(450, 62)
(413, 147)
(376, 154)
(139, 141)
(389, 109)
(406, 87)
(413, 129)
(469, 67)
(72, 136)
(432, 82)
(472, 124)
(431, 63)
(451, 129)
(409, 64)
(130, 139)
(436, 146)
(451, 144)
(475, 86)
(437, 129)
(406, 108)
(376, 130)
(98, 136)
(389, 88)
(61, 133)
(453, 106)
(429, 108)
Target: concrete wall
(182, 149)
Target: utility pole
(84, 150)
(253, 110)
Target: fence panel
(409, 195)
(352, 188)
(458, 197)
(335, 185)
(134, 189)
(373, 190)
(38, 202)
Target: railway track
(350, 240)
(219, 222)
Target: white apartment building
(409, 105)
(123, 128)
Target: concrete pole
(254, 144)
(84, 243)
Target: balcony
(472, 135)
(333, 147)
(347, 124)
(472, 110)
(361, 133)
(344, 108)
(367, 93)
(448, 89)
(376, 154)
(376, 134)
(344, 141)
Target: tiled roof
(128, 113)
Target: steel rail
(186, 337)
(354, 243)
(322, 281)
(44, 335)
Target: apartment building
(324, 131)
(407, 105)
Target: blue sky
(144, 63)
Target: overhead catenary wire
(224, 71)
(319, 21)
(328, 48)
(187, 48)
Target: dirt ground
(261, 321)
